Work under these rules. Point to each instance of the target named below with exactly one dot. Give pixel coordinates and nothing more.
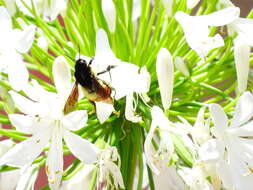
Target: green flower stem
(11, 133)
(150, 179)
(72, 170)
(215, 90)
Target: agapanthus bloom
(231, 151)
(43, 118)
(196, 28)
(13, 42)
(125, 79)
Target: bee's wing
(72, 99)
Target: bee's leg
(107, 70)
(114, 92)
(92, 59)
(94, 110)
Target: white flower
(109, 168)
(231, 151)
(44, 119)
(165, 146)
(49, 9)
(242, 43)
(125, 79)
(12, 42)
(109, 11)
(196, 28)
(165, 72)
(81, 180)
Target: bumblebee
(94, 89)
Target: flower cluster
(143, 93)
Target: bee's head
(82, 71)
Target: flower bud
(164, 71)
(242, 56)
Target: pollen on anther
(47, 170)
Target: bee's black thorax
(83, 74)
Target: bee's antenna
(79, 51)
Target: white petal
(211, 151)
(75, 120)
(164, 71)
(221, 17)
(109, 11)
(116, 175)
(18, 75)
(5, 145)
(192, 3)
(9, 179)
(103, 111)
(181, 66)
(62, 76)
(197, 32)
(130, 110)
(168, 6)
(142, 82)
(200, 131)
(242, 176)
(24, 39)
(244, 26)
(28, 178)
(243, 109)
(149, 149)
(5, 19)
(25, 105)
(169, 179)
(25, 152)
(219, 118)
(54, 162)
(81, 180)
(125, 77)
(36, 92)
(242, 56)
(224, 172)
(22, 123)
(166, 146)
(81, 148)
(160, 119)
